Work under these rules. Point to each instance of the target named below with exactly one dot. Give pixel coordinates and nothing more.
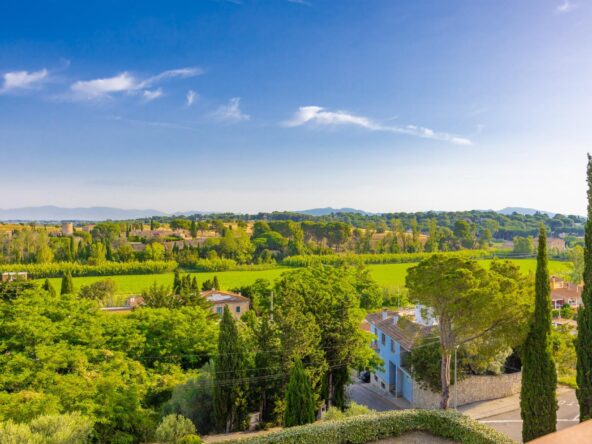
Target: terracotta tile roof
(565, 293)
(405, 331)
(223, 297)
(580, 433)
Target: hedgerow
(56, 269)
(368, 428)
(385, 258)
(210, 265)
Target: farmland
(386, 275)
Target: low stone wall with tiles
(470, 389)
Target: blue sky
(277, 105)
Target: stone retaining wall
(470, 389)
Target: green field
(386, 275)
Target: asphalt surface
(510, 423)
(361, 394)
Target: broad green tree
(584, 343)
(470, 304)
(230, 377)
(300, 404)
(538, 400)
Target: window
(238, 308)
(382, 385)
(219, 310)
(392, 346)
(375, 378)
(382, 338)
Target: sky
(251, 106)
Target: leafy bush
(368, 428)
(385, 258)
(174, 428)
(72, 428)
(334, 414)
(57, 269)
(195, 400)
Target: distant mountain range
(525, 211)
(328, 210)
(53, 213)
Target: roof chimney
(384, 314)
(395, 318)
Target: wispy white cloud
(150, 95)
(231, 112)
(127, 83)
(316, 115)
(565, 6)
(21, 80)
(192, 96)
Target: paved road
(362, 394)
(510, 423)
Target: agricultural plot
(386, 275)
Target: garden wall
(470, 389)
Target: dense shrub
(71, 428)
(386, 258)
(57, 269)
(368, 428)
(174, 428)
(223, 265)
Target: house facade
(563, 292)
(236, 303)
(396, 334)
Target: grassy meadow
(386, 275)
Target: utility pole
(455, 386)
(271, 305)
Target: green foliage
(48, 287)
(317, 311)
(173, 428)
(335, 414)
(385, 258)
(564, 354)
(195, 400)
(101, 291)
(584, 343)
(67, 284)
(368, 428)
(538, 401)
(105, 269)
(71, 428)
(230, 387)
(523, 245)
(471, 304)
(300, 405)
(576, 257)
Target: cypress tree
(48, 287)
(193, 229)
(72, 248)
(215, 284)
(177, 283)
(230, 386)
(538, 400)
(584, 340)
(300, 407)
(67, 284)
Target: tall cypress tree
(584, 341)
(538, 399)
(67, 284)
(48, 287)
(300, 408)
(230, 386)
